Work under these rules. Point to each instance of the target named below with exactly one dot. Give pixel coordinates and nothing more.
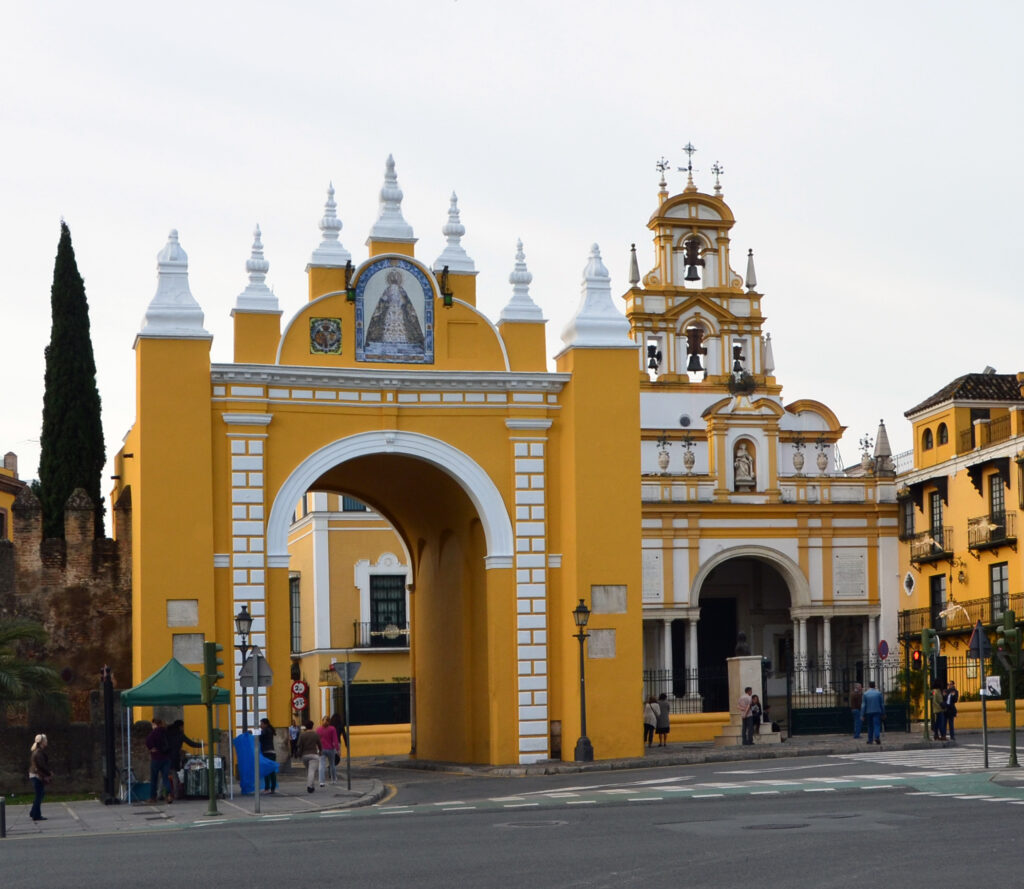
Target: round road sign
(298, 702)
(299, 687)
(883, 649)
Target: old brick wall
(78, 588)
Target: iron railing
(369, 634)
(704, 690)
(931, 546)
(992, 530)
(988, 610)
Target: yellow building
(10, 485)
(749, 525)
(389, 386)
(959, 510)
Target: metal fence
(704, 690)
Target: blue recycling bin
(243, 757)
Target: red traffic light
(916, 659)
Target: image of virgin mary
(394, 320)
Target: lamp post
(243, 624)
(584, 749)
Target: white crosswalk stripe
(944, 761)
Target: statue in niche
(743, 466)
(742, 646)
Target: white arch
(463, 469)
(799, 588)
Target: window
(387, 610)
(943, 434)
(926, 440)
(996, 498)
(350, 504)
(906, 519)
(937, 597)
(935, 511)
(999, 588)
(294, 593)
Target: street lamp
(243, 624)
(584, 749)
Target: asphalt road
(868, 818)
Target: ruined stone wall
(78, 588)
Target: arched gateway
(390, 386)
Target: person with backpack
(159, 762)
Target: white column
(865, 641)
(826, 651)
(691, 658)
(666, 645)
(802, 684)
(873, 646)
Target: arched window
(926, 440)
(943, 434)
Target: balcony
(369, 634)
(932, 546)
(989, 611)
(992, 531)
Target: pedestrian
(743, 704)
(755, 715)
(952, 696)
(664, 720)
(40, 775)
(293, 738)
(872, 708)
(268, 750)
(159, 762)
(307, 748)
(856, 699)
(651, 711)
(176, 737)
(329, 747)
(938, 714)
(339, 727)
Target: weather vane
(662, 165)
(690, 152)
(718, 170)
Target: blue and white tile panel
(248, 556)
(531, 598)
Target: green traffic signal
(212, 663)
(929, 644)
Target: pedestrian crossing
(937, 761)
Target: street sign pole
(256, 733)
(347, 671)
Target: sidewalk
(92, 817)
(84, 817)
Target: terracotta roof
(974, 387)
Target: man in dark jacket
(872, 708)
(176, 737)
(950, 699)
(159, 762)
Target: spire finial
(597, 322)
(751, 280)
(718, 170)
(330, 253)
(688, 169)
(634, 268)
(390, 224)
(661, 166)
(454, 255)
(173, 311)
(521, 307)
(257, 296)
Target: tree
(71, 448)
(24, 681)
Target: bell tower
(699, 320)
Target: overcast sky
(871, 155)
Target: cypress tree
(71, 447)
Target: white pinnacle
(454, 254)
(597, 323)
(173, 312)
(257, 296)
(521, 307)
(330, 253)
(390, 224)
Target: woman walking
(39, 774)
(329, 749)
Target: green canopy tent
(173, 685)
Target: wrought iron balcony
(931, 546)
(369, 634)
(959, 616)
(991, 531)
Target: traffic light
(1012, 639)
(916, 659)
(211, 672)
(929, 643)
